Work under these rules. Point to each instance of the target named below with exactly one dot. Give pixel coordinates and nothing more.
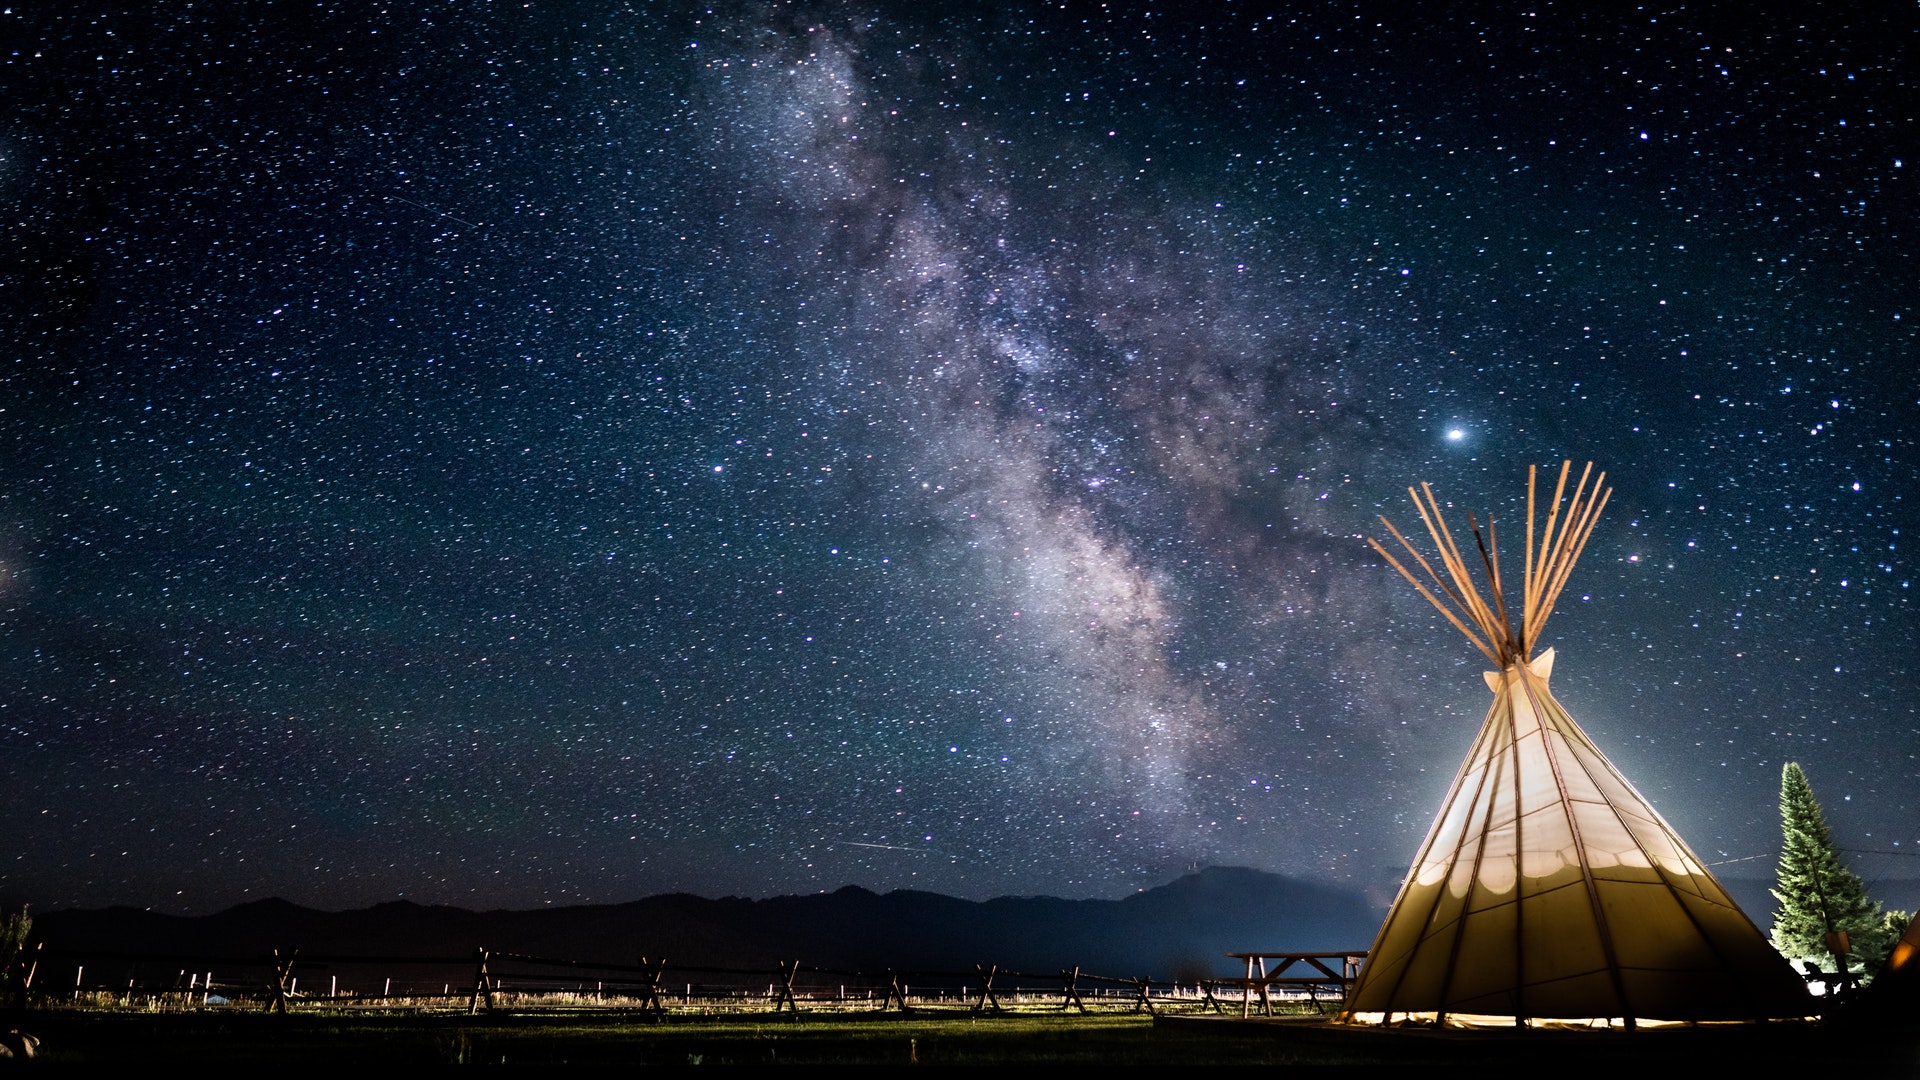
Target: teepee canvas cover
(1548, 889)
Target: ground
(953, 1038)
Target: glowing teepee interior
(1548, 890)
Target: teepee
(1548, 890)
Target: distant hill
(1178, 930)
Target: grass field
(311, 1039)
(320, 1039)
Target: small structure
(1548, 891)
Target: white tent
(1548, 891)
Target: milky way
(591, 450)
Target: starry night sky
(516, 454)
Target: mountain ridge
(1181, 929)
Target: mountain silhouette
(1179, 930)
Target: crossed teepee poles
(1559, 548)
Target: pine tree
(1818, 894)
(13, 939)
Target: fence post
(895, 993)
(1071, 997)
(987, 996)
(787, 972)
(482, 982)
(652, 1004)
(1207, 1000)
(282, 971)
(1145, 999)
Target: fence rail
(498, 980)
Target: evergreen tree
(1817, 894)
(13, 939)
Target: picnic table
(1309, 971)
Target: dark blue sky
(573, 451)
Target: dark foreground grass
(306, 1040)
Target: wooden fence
(494, 980)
